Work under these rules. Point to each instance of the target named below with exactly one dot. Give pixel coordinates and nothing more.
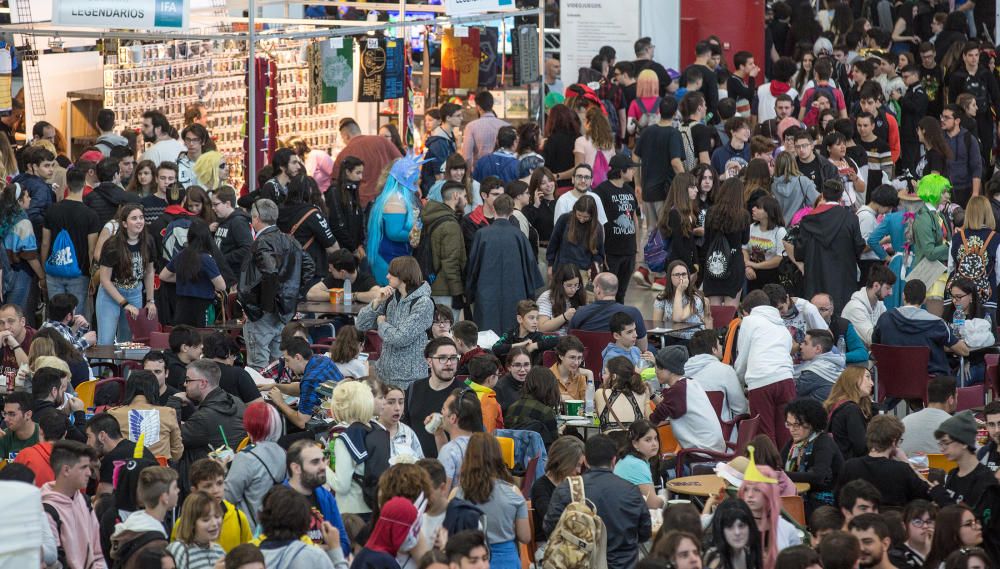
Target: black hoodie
(106, 198)
(218, 413)
(234, 238)
(829, 245)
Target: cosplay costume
(389, 233)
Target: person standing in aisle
(376, 152)
(69, 270)
(481, 134)
(156, 130)
(441, 143)
(620, 207)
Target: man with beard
(441, 225)
(218, 420)
(866, 305)
(989, 454)
(105, 436)
(306, 469)
(425, 397)
(873, 535)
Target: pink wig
(772, 512)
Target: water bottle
(348, 296)
(958, 321)
(841, 346)
(589, 399)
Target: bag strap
(611, 408)
(576, 489)
(299, 224)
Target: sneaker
(642, 277)
(659, 284)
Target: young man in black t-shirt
(663, 149)
(344, 266)
(620, 206)
(82, 226)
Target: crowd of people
(707, 259)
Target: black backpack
(377, 444)
(718, 264)
(424, 253)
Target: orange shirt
(36, 457)
(574, 388)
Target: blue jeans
(111, 318)
(18, 294)
(263, 339)
(77, 286)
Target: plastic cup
(574, 407)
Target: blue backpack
(656, 250)
(63, 262)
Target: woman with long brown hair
(143, 181)
(727, 229)
(456, 169)
(196, 201)
(558, 304)
(623, 397)
(487, 483)
(597, 138)
(849, 406)
(561, 131)
(126, 271)
(578, 239)
(565, 460)
(756, 182)
(678, 220)
(541, 210)
(937, 153)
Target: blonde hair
(353, 402)
(847, 388)
(50, 362)
(206, 168)
(647, 85)
(785, 166)
(40, 347)
(979, 214)
(46, 144)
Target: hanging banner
(331, 77)
(586, 26)
(372, 70)
(489, 62)
(465, 7)
(171, 15)
(524, 52)
(393, 86)
(460, 59)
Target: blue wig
(403, 182)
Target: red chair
(901, 371)
(529, 476)
(722, 315)
(320, 348)
(594, 342)
(109, 392)
(717, 398)
(992, 379)
(141, 326)
(373, 345)
(747, 430)
(159, 340)
(970, 397)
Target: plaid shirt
(76, 339)
(320, 369)
(279, 372)
(528, 412)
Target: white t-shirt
(765, 245)
(164, 150)
(566, 202)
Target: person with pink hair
(261, 464)
(762, 495)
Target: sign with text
(168, 15)
(586, 25)
(466, 7)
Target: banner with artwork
(331, 78)
(489, 61)
(460, 58)
(382, 64)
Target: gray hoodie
(826, 366)
(298, 555)
(106, 142)
(713, 375)
(792, 194)
(253, 472)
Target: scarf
(397, 520)
(779, 88)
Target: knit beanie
(961, 427)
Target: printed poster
(460, 59)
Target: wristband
(123, 303)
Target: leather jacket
(275, 276)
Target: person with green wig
(928, 237)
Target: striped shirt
(191, 556)
(879, 155)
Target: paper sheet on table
(258, 379)
(486, 339)
(927, 271)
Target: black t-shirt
(657, 146)
(811, 169)
(619, 207)
(79, 221)
(703, 137)
(628, 95)
(123, 452)
(363, 283)
(857, 154)
(238, 383)
(421, 402)
(709, 88)
(558, 153)
(110, 257)
(152, 207)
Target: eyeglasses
(803, 146)
(189, 380)
(679, 275)
(575, 358)
(958, 296)
(791, 425)
(216, 204)
(947, 118)
(971, 523)
(522, 365)
(445, 359)
(922, 523)
(192, 140)
(583, 177)
(442, 323)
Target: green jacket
(928, 238)
(447, 248)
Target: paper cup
(574, 407)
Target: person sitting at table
(466, 336)
(886, 466)
(623, 397)
(965, 295)
(704, 367)
(444, 318)
(277, 370)
(565, 460)
(849, 408)
(640, 447)
(568, 368)
(218, 420)
(185, 347)
(536, 409)
(221, 348)
(596, 316)
(314, 370)
(346, 351)
(510, 386)
(139, 408)
(345, 266)
(682, 302)
(811, 456)
(482, 379)
(48, 389)
(624, 336)
(64, 350)
(73, 327)
(166, 396)
(685, 403)
(402, 313)
(15, 339)
(525, 334)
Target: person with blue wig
(393, 216)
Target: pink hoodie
(80, 536)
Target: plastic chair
(159, 340)
(373, 345)
(901, 371)
(594, 343)
(746, 431)
(529, 476)
(970, 397)
(163, 460)
(722, 315)
(141, 326)
(717, 398)
(507, 450)
(992, 379)
(795, 507)
(85, 391)
(668, 442)
(103, 386)
(532, 546)
(939, 461)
